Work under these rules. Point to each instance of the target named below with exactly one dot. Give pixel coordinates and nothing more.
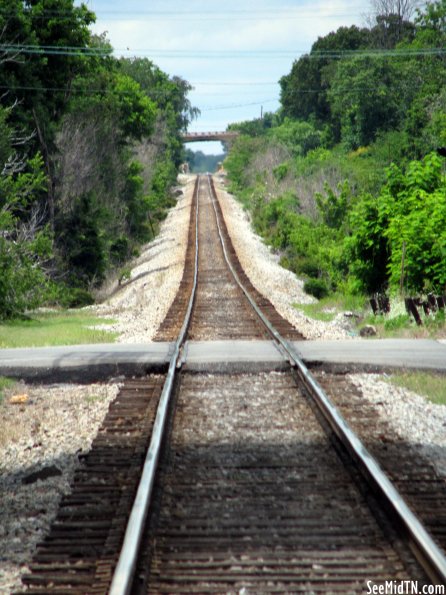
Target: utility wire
(234, 84)
(235, 105)
(109, 91)
(221, 54)
(161, 95)
(240, 14)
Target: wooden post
(403, 257)
(412, 309)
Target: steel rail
(427, 552)
(125, 568)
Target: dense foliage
(89, 146)
(345, 181)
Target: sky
(232, 52)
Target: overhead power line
(219, 54)
(396, 53)
(235, 105)
(234, 84)
(110, 91)
(185, 14)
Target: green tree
(299, 137)
(415, 203)
(25, 244)
(304, 89)
(366, 97)
(402, 231)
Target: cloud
(254, 31)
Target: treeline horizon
(347, 179)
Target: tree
(408, 216)
(299, 137)
(390, 30)
(366, 96)
(402, 9)
(431, 25)
(25, 244)
(108, 133)
(304, 89)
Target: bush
(317, 288)
(308, 267)
(77, 297)
(83, 241)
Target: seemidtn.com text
(403, 588)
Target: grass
(47, 329)
(399, 324)
(327, 308)
(5, 383)
(396, 324)
(430, 385)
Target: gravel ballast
(412, 418)
(44, 429)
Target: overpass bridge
(195, 137)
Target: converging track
(251, 482)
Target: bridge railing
(203, 136)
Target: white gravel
(411, 417)
(48, 429)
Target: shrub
(317, 288)
(77, 297)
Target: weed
(397, 322)
(90, 399)
(5, 383)
(430, 385)
(327, 308)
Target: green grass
(316, 312)
(47, 329)
(400, 324)
(327, 308)
(432, 386)
(396, 324)
(5, 383)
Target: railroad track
(241, 489)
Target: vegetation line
(347, 180)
